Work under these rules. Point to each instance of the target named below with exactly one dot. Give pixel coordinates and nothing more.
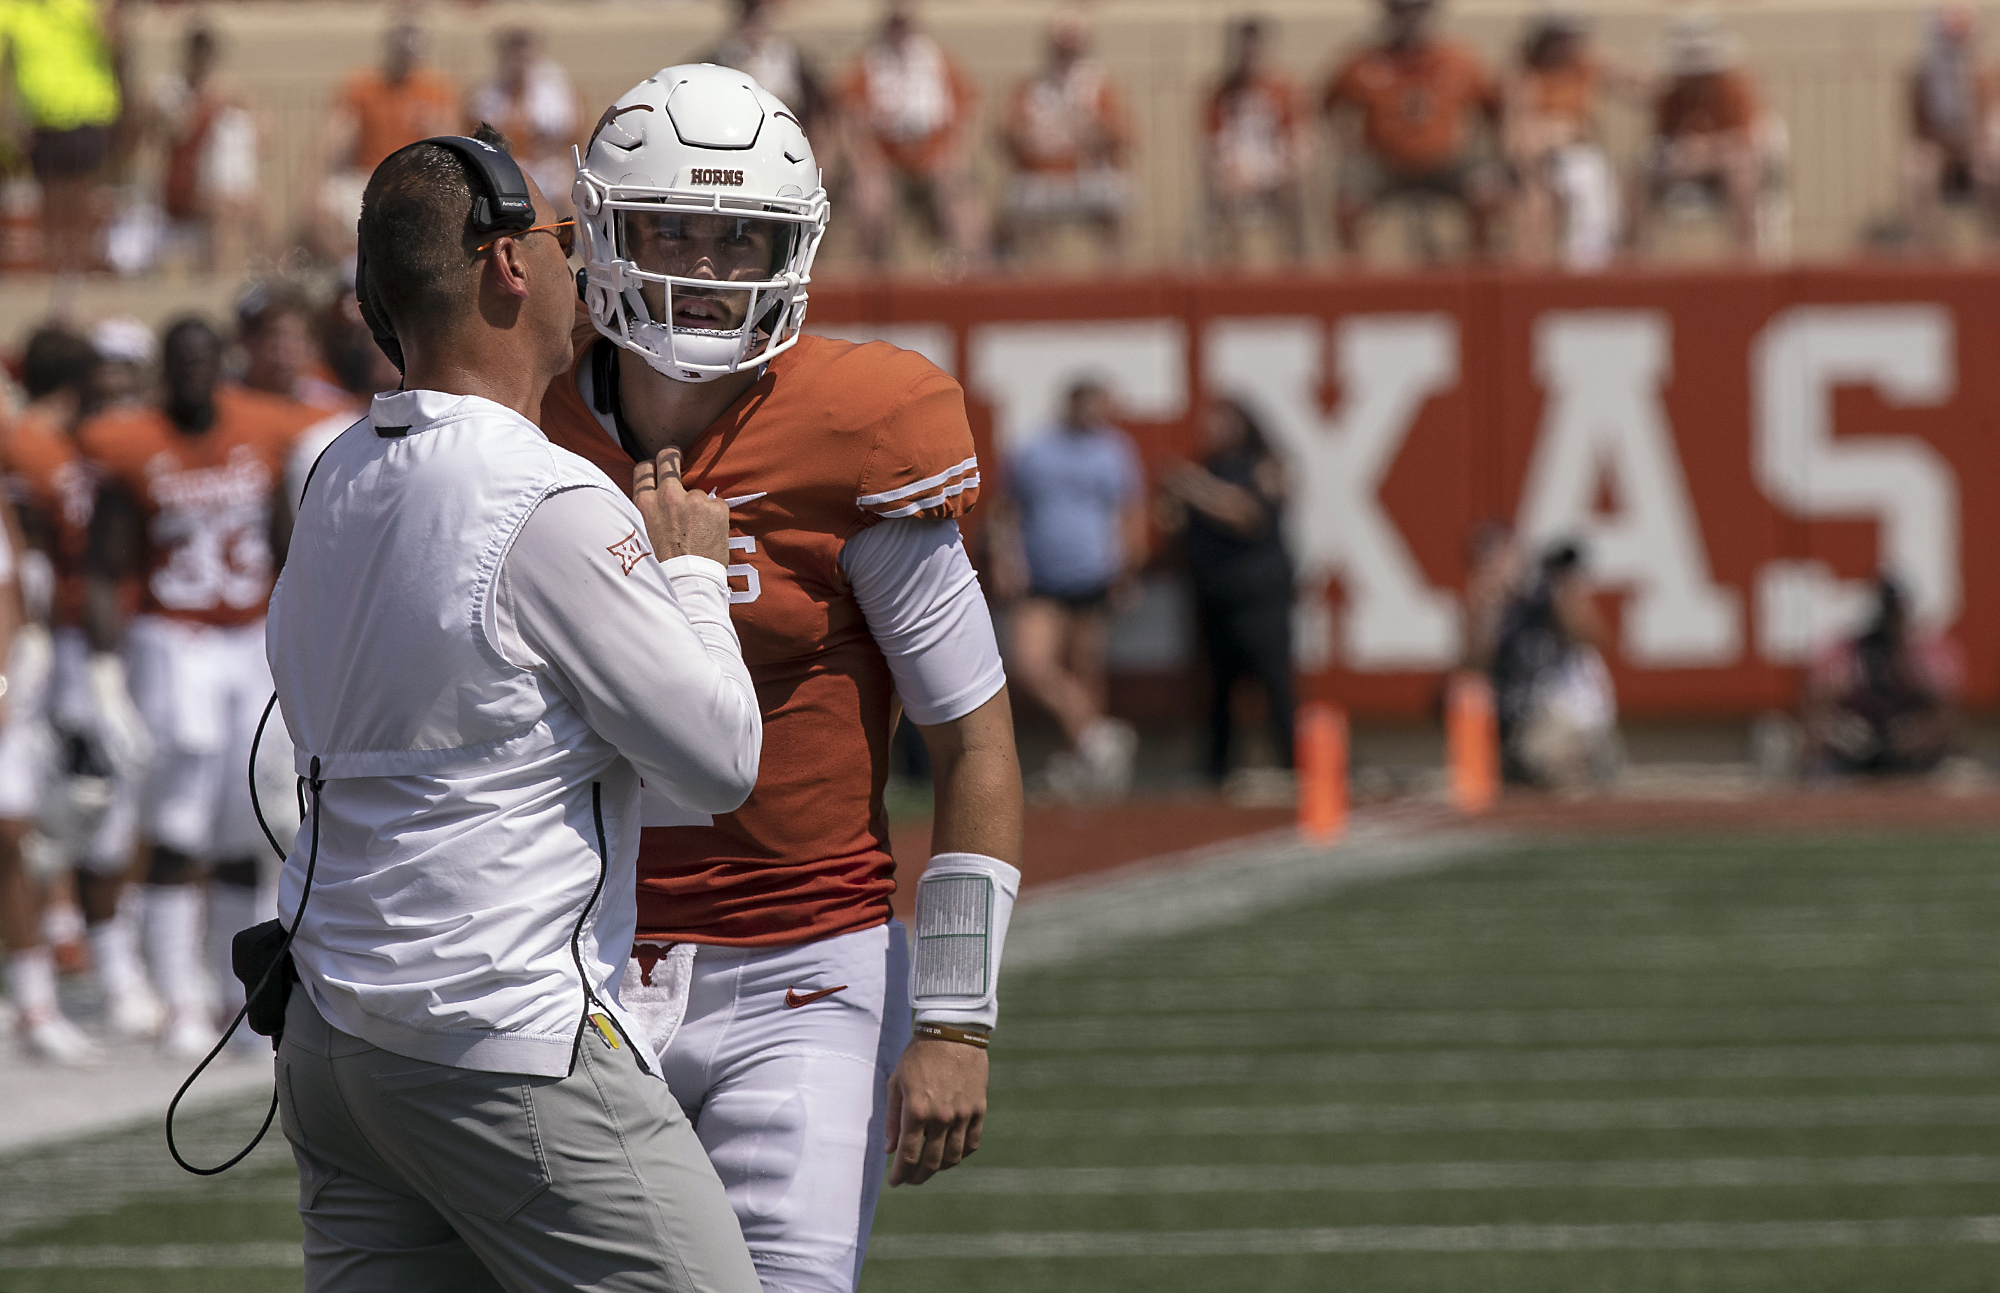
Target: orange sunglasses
(564, 231)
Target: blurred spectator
(128, 350)
(531, 101)
(66, 82)
(1494, 571)
(1567, 207)
(912, 108)
(1885, 701)
(1557, 710)
(376, 112)
(1233, 507)
(754, 45)
(1954, 151)
(209, 190)
(275, 327)
(1068, 134)
(1073, 534)
(363, 372)
(1419, 99)
(1254, 146)
(1712, 140)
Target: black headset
(502, 208)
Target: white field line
(1132, 992)
(1722, 1235)
(1510, 1115)
(151, 1256)
(1700, 952)
(1602, 1065)
(1504, 1026)
(1216, 885)
(1397, 1178)
(96, 1176)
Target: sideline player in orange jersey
(72, 749)
(769, 967)
(190, 504)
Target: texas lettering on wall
(1739, 453)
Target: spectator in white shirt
(531, 101)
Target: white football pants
(202, 691)
(44, 704)
(787, 1090)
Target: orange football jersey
(205, 499)
(48, 473)
(833, 438)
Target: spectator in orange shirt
(1251, 129)
(209, 189)
(1068, 134)
(531, 101)
(1567, 206)
(1419, 100)
(376, 112)
(911, 106)
(1712, 138)
(1954, 151)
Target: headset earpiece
(502, 207)
(371, 310)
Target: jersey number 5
(743, 570)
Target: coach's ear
(507, 262)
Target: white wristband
(964, 901)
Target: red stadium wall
(1737, 450)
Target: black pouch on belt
(252, 953)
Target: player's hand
(679, 522)
(937, 1108)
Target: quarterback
(768, 968)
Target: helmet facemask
(698, 284)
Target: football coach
(481, 647)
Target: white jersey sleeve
(576, 601)
(924, 608)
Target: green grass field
(1667, 1065)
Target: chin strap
(604, 393)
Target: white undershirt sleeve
(645, 650)
(921, 598)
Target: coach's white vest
(459, 822)
(381, 626)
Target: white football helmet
(699, 168)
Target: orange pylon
(1472, 743)
(1322, 761)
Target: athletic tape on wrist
(964, 902)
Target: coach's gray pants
(416, 1177)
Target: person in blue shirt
(1076, 502)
